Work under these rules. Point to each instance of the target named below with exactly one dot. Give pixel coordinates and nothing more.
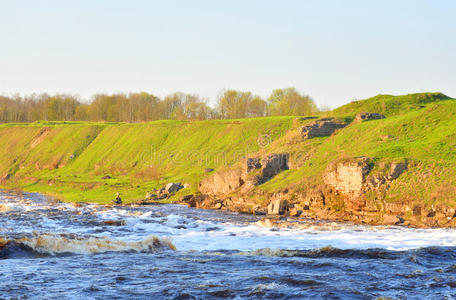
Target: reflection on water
(56, 250)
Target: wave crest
(328, 251)
(58, 244)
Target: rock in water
(277, 207)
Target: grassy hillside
(71, 160)
(424, 136)
(390, 105)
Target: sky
(334, 51)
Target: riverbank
(384, 160)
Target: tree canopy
(143, 107)
(289, 102)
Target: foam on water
(190, 229)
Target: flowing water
(63, 251)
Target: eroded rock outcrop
(348, 176)
(322, 127)
(378, 180)
(366, 116)
(272, 165)
(354, 178)
(254, 171)
(222, 183)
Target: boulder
(277, 207)
(392, 220)
(114, 223)
(208, 170)
(194, 200)
(430, 213)
(365, 116)
(106, 177)
(322, 127)
(259, 211)
(294, 212)
(172, 187)
(186, 185)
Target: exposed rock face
(40, 137)
(222, 183)
(226, 182)
(323, 127)
(277, 207)
(274, 164)
(252, 164)
(352, 179)
(396, 170)
(348, 177)
(365, 116)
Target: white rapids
(189, 229)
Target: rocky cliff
(364, 189)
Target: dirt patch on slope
(40, 137)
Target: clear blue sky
(334, 51)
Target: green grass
(390, 105)
(71, 159)
(424, 137)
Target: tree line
(143, 107)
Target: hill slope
(390, 105)
(69, 160)
(402, 167)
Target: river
(54, 250)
